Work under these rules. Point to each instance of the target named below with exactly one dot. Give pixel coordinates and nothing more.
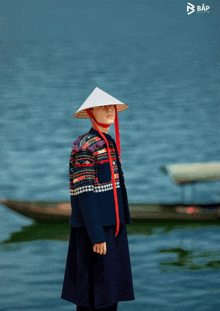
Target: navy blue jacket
(91, 189)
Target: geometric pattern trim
(95, 189)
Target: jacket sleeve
(82, 180)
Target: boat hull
(53, 211)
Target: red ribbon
(102, 125)
(89, 112)
(117, 133)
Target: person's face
(104, 114)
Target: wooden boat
(49, 212)
(181, 174)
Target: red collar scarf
(90, 113)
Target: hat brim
(83, 113)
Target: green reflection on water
(166, 226)
(37, 231)
(180, 258)
(61, 231)
(191, 259)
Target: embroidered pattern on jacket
(101, 157)
(89, 168)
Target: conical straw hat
(98, 98)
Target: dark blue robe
(93, 280)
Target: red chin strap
(101, 124)
(89, 112)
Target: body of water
(165, 65)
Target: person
(98, 269)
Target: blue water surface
(161, 62)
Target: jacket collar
(94, 132)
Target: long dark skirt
(98, 281)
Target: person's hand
(100, 248)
